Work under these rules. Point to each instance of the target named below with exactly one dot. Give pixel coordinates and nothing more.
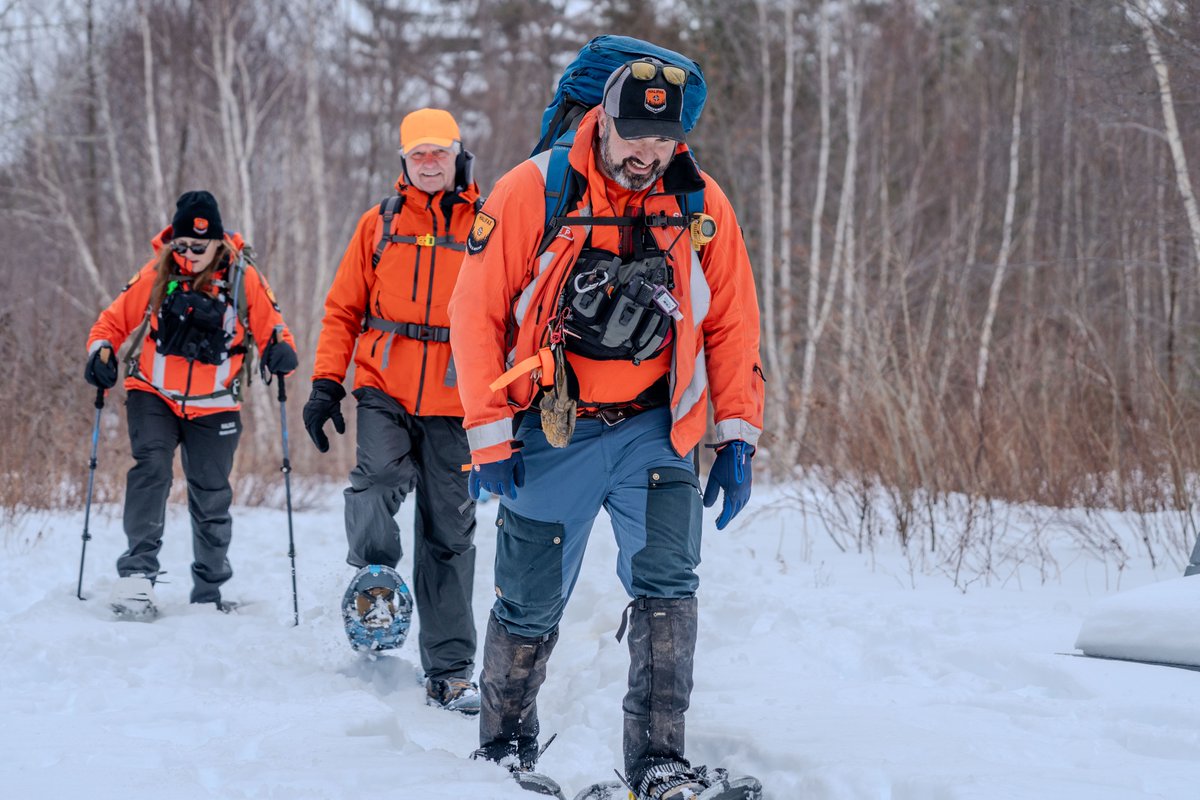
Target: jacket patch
(481, 231)
(270, 294)
(132, 280)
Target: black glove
(101, 374)
(323, 404)
(280, 358)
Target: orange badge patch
(656, 99)
(133, 280)
(481, 231)
(200, 224)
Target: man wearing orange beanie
(386, 309)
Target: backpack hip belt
(409, 330)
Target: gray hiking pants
(208, 444)
(399, 453)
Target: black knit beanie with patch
(197, 216)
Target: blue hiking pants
(630, 469)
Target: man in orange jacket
(610, 336)
(387, 309)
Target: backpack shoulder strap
(388, 209)
(565, 119)
(692, 202)
(237, 284)
(563, 188)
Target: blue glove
(731, 472)
(498, 477)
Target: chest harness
(197, 327)
(388, 210)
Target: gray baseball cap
(645, 98)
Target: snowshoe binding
(377, 609)
(678, 781)
(132, 597)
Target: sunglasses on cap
(196, 248)
(646, 70)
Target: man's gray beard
(618, 172)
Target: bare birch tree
(1010, 201)
(158, 190)
(1140, 13)
(785, 297)
(816, 308)
(771, 279)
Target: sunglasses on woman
(197, 248)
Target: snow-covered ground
(829, 675)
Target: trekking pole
(286, 469)
(87, 509)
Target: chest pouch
(192, 325)
(618, 310)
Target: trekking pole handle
(105, 352)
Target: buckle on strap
(410, 330)
(426, 333)
(426, 240)
(613, 414)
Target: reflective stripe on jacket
(190, 389)
(396, 312)
(507, 294)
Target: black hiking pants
(397, 454)
(208, 444)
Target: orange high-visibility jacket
(507, 293)
(190, 389)
(396, 311)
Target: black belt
(612, 414)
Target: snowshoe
(377, 609)
(538, 783)
(132, 597)
(680, 782)
(606, 790)
(224, 606)
(521, 767)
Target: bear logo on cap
(200, 225)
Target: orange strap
(542, 360)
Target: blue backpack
(580, 89)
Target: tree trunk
(770, 291)
(1182, 180)
(1014, 165)
(814, 321)
(158, 191)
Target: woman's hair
(164, 272)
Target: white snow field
(830, 675)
